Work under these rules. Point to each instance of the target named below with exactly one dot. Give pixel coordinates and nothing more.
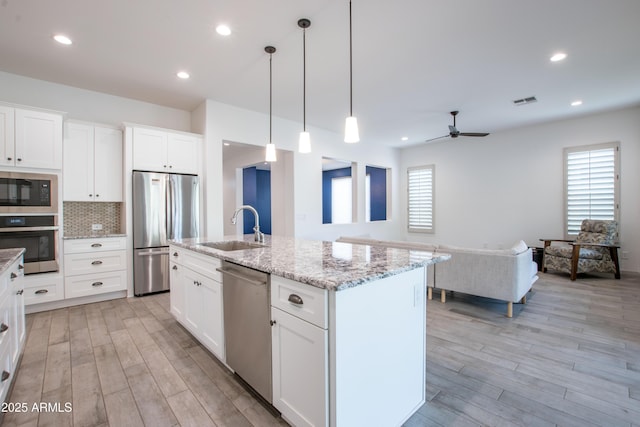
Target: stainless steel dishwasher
(247, 328)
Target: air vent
(523, 101)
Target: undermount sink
(232, 245)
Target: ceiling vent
(524, 101)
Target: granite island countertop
(8, 256)
(331, 265)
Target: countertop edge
(94, 236)
(8, 257)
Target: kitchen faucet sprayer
(259, 236)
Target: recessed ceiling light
(576, 103)
(183, 75)
(223, 30)
(405, 138)
(62, 39)
(558, 57)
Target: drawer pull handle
(20, 267)
(13, 275)
(175, 267)
(20, 292)
(175, 254)
(96, 245)
(41, 291)
(4, 327)
(96, 262)
(96, 284)
(295, 299)
(5, 376)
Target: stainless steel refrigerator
(165, 206)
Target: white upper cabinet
(30, 139)
(163, 151)
(92, 163)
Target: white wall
(88, 105)
(508, 186)
(228, 123)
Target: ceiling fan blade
(440, 137)
(473, 134)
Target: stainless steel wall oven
(38, 235)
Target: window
(341, 212)
(420, 198)
(592, 181)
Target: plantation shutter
(420, 183)
(591, 176)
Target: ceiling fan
(454, 132)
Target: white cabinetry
(196, 297)
(95, 266)
(300, 352)
(164, 151)
(30, 139)
(12, 324)
(92, 163)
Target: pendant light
(271, 147)
(351, 133)
(304, 144)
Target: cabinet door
(108, 165)
(7, 139)
(150, 150)
(192, 300)
(17, 312)
(300, 370)
(38, 137)
(177, 293)
(183, 153)
(78, 157)
(211, 328)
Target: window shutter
(591, 185)
(420, 184)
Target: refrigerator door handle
(152, 253)
(170, 207)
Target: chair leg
(574, 261)
(614, 258)
(429, 293)
(443, 296)
(523, 300)
(510, 309)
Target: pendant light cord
(350, 64)
(270, 95)
(304, 79)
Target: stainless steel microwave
(27, 193)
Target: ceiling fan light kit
(454, 132)
(270, 155)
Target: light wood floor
(569, 357)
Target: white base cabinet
(196, 297)
(12, 324)
(94, 266)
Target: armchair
(594, 249)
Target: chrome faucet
(259, 236)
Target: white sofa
(503, 274)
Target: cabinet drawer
(6, 368)
(199, 263)
(5, 321)
(43, 289)
(75, 264)
(313, 302)
(93, 284)
(75, 246)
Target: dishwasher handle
(241, 277)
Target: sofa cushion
(567, 252)
(519, 247)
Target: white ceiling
(414, 60)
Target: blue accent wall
(378, 196)
(327, 176)
(256, 191)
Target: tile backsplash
(80, 216)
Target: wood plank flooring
(569, 357)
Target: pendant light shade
(304, 144)
(270, 155)
(351, 133)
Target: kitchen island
(348, 323)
